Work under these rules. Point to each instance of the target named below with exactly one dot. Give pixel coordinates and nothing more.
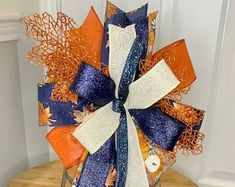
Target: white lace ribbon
(144, 92)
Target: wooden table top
(50, 175)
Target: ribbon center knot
(118, 105)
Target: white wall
(22, 142)
(9, 6)
(78, 9)
(37, 147)
(219, 163)
(197, 22)
(13, 154)
(13, 150)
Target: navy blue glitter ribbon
(158, 126)
(98, 88)
(142, 32)
(96, 166)
(93, 85)
(123, 91)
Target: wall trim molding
(219, 179)
(166, 16)
(52, 7)
(9, 26)
(224, 61)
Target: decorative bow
(96, 133)
(77, 61)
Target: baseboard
(218, 179)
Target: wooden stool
(50, 175)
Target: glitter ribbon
(113, 117)
(159, 127)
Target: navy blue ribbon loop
(93, 85)
(158, 126)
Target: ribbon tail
(96, 166)
(136, 174)
(122, 151)
(97, 128)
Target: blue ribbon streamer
(96, 166)
(122, 151)
(123, 91)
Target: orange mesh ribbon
(62, 48)
(191, 139)
(177, 57)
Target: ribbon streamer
(101, 125)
